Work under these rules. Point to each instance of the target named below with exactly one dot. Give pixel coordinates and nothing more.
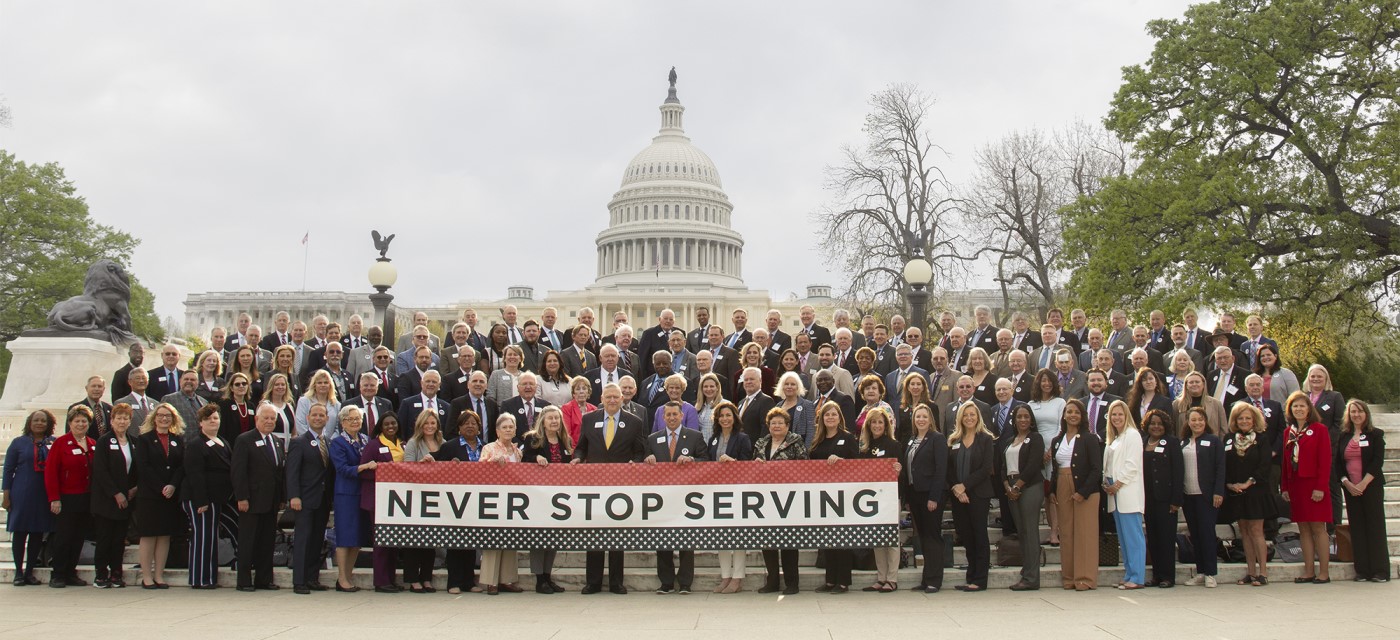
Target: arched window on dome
(666, 212)
(687, 212)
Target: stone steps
(643, 580)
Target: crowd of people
(1104, 433)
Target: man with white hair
(609, 371)
(627, 355)
(354, 333)
(280, 333)
(1120, 340)
(778, 341)
(984, 334)
(655, 339)
(526, 407)
(1226, 381)
(842, 320)
(406, 340)
(808, 316)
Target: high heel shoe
(351, 589)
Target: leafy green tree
(47, 242)
(1268, 134)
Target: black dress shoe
(301, 590)
(75, 581)
(268, 587)
(590, 589)
(918, 587)
(790, 590)
(32, 580)
(57, 583)
(543, 587)
(204, 586)
(244, 588)
(341, 589)
(555, 586)
(619, 590)
(388, 588)
(19, 581)
(316, 586)
(162, 585)
(931, 589)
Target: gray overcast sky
(475, 131)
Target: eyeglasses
(240, 384)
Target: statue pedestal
(51, 373)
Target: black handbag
(1108, 550)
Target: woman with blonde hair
(979, 367)
(971, 448)
(877, 441)
(1194, 395)
(708, 395)
(279, 395)
(1123, 483)
(160, 468)
(505, 380)
(1248, 460)
(209, 366)
(320, 391)
(284, 361)
(751, 355)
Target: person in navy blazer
(113, 488)
(925, 481)
(372, 405)
(738, 446)
(593, 447)
(258, 477)
(426, 399)
(1163, 475)
(674, 443)
(310, 485)
(207, 497)
(1203, 503)
(165, 379)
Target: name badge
(262, 443)
(1325, 407)
(77, 452)
(384, 449)
(1268, 413)
(661, 440)
(841, 441)
(1103, 403)
(1230, 447)
(114, 446)
(718, 358)
(1160, 449)
(957, 446)
(982, 387)
(417, 405)
(1205, 443)
(945, 387)
(174, 443)
(1230, 388)
(1363, 443)
(521, 411)
(599, 425)
(462, 379)
(213, 443)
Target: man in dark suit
(165, 379)
(984, 334)
(1196, 337)
(608, 372)
(370, 402)
(261, 356)
(904, 367)
(280, 333)
(526, 407)
(705, 364)
(474, 337)
(1254, 326)
(1096, 401)
(681, 446)
(383, 369)
(608, 435)
(474, 400)
(808, 316)
(1022, 337)
(841, 319)
(455, 382)
(923, 358)
(741, 334)
(532, 348)
(655, 339)
(1226, 380)
(754, 406)
(777, 340)
(316, 360)
(101, 411)
(239, 336)
(627, 356)
(1021, 379)
(1226, 325)
(1159, 335)
(354, 337)
(651, 388)
(577, 357)
(958, 349)
(425, 400)
(550, 335)
(700, 335)
(140, 403)
(309, 490)
(884, 352)
(825, 383)
(136, 354)
(1142, 339)
(845, 353)
(257, 476)
(724, 361)
(1219, 339)
(410, 382)
(1056, 318)
(965, 390)
(1078, 325)
(1180, 337)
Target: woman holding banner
(384, 446)
(548, 443)
(728, 444)
(780, 444)
(834, 443)
(499, 567)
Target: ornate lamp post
(917, 274)
(382, 275)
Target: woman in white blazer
(1123, 482)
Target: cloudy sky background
(221, 133)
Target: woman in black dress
(833, 443)
(160, 461)
(1247, 496)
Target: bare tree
(892, 203)
(1022, 183)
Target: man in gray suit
(682, 446)
(1073, 384)
(187, 403)
(447, 356)
(1088, 358)
(682, 361)
(965, 388)
(361, 359)
(1120, 340)
(264, 357)
(942, 379)
(1043, 357)
(141, 404)
(700, 335)
(1179, 336)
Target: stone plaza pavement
(1338, 610)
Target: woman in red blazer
(575, 409)
(67, 479)
(1305, 483)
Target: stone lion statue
(103, 307)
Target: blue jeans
(1133, 546)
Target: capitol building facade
(669, 244)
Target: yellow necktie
(608, 433)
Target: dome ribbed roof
(671, 158)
